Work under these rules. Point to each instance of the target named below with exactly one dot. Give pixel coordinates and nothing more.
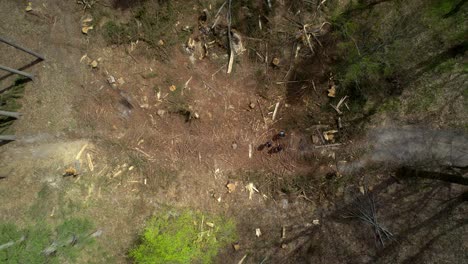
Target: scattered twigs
(315, 88)
(216, 72)
(266, 58)
(364, 209)
(262, 58)
(217, 15)
(11, 243)
(337, 107)
(341, 101)
(231, 48)
(211, 88)
(320, 136)
(261, 112)
(275, 111)
(355, 44)
(87, 4)
(307, 37)
(286, 82)
(328, 145)
(321, 4)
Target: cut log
(10, 114)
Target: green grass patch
(116, 34)
(392, 105)
(183, 237)
(27, 245)
(153, 22)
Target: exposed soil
(148, 150)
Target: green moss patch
(183, 237)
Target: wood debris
(275, 111)
(86, 24)
(329, 135)
(187, 83)
(70, 172)
(236, 246)
(337, 107)
(242, 259)
(94, 64)
(258, 232)
(90, 162)
(251, 188)
(332, 91)
(231, 186)
(78, 156)
(275, 62)
(29, 7)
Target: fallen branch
(275, 111)
(213, 75)
(336, 109)
(285, 82)
(320, 136)
(217, 15)
(11, 243)
(308, 38)
(231, 49)
(328, 145)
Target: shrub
(185, 237)
(115, 34)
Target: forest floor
(140, 145)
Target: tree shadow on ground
(125, 4)
(418, 219)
